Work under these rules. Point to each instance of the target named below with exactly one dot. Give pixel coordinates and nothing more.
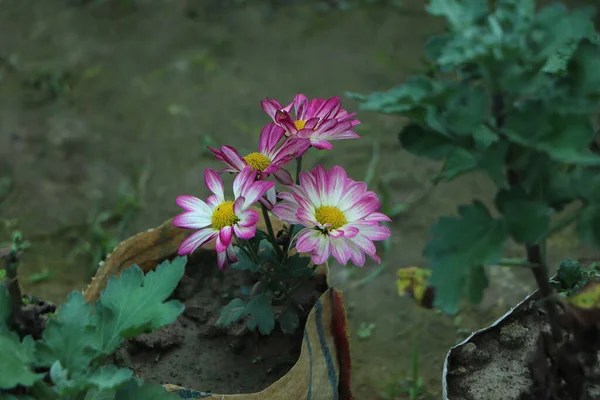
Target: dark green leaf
(288, 320)
(477, 282)
(465, 111)
(458, 162)
(16, 361)
(493, 161)
(145, 391)
(105, 378)
(130, 305)
(425, 142)
(459, 14)
(267, 253)
(569, 273)
(584, 67)
(69, 336)
(458, 245)
(260, 314)
(296, 265)
(244, 262)
(527, 220)
(232, 312)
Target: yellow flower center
(330, 215)
(299, 124)
(223, 215)
(258, 161)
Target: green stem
(270, 231)
(515, 262)
(298, 169)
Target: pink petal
(353, 193)
(311, 124)
(321, 144)
(247, 218)
(357, 256)
(291, 149)
(284, 177)
(244, 179)
(255, 191)
(300, 106)
(232, 157)
(269, 138)
(192, 220)
(341, 251)
(195, 240)
(283, 119)
(213, 201)
(308, 240)
(321, 253)
(232, 258)
(374, 232)
(309, 185)
(222, 260)
(361, 208)
(224, 239)
(269, 198)
(191, 203)
(377, 216)
(214, 183)
(307, 217)
(286, 212)
(245, 232)
(336, 182)
(270, 106)
(238, 205)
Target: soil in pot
(509, 362)
(195, 353)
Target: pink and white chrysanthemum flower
(319, 120)
(270, 157)
(339, 215)
(218, 219)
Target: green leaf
(459, 14)
(17, 361)
(477, 282)
(244, 262)
(425, 142)
(134, 303)
(458, 245)
(527, 220)
(458, 162)
(409, 99)
(464, 111)
(288, 320)
(569, 273)
(563, 137)
(492, 160)
(68, 336)
(5, 308)
(145, 391)
(130, 305)
(105, 378)
(584, 67)
(296, 265)
(232, 312)
(260, 314)
(267, 253)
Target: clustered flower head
(339, 216)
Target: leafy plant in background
(515, 93)
(328, 213)
(62, 356)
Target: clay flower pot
(194, 358)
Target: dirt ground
(91, 91)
